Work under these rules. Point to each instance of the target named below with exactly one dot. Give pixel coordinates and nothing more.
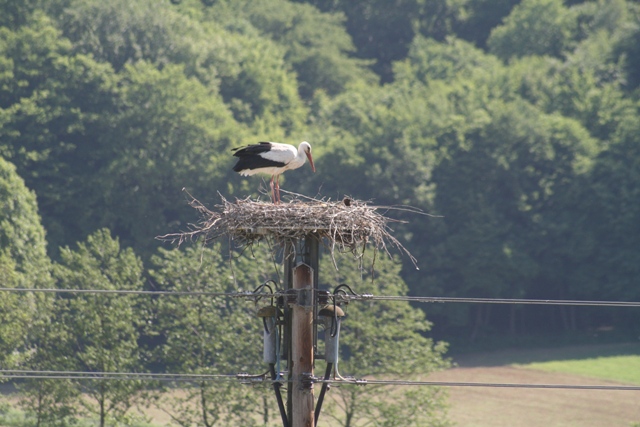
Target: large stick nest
(345, 225)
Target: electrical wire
(483, 384)
(261, 378)
(340, 297)
(122, 378)
(371, 297)
(80, 375)
(245, 294)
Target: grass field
(625, 369)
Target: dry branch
(346, 225)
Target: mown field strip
(625, 369)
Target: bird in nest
(272, 158)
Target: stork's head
(306, 148)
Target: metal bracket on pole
(305, 298)
(307, 380)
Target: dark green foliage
(167, 135)
(499, 193)
(629, 52)
(23, 263)
(534, 27)
(57, 105)
(317, 45)
(85, 137)
(121, 33)
(482, 17)
(15, 13)
(22, 238)
(513, 120)
(507, 154)
(615, 182)
(383, 30)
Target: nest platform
(345, 225)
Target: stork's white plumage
(272, 158)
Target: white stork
(272, 158)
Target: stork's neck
(301, 157)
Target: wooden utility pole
(302, 347)
(301, 272)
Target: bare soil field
(521, 407)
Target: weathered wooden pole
(301, 275)
(302, 348)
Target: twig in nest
(345, 225)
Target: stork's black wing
(252, 150)
(250, 157)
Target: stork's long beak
(313, 168)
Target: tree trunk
(569, 319)
(203, 403)
(348, 419)
(40, 404)
(102, 410)
(265, 404)
(482, 319)
(573, 321)
(513, 312)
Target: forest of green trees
(515, 123)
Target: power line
(483, 384)
(341, 297)
(261, 378)
(370, 297)
(84, 375)
(245, 294)
(120, 378)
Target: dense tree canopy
(23, 263)
(534, 27)
(513, 121)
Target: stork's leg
(278, 188)
(273, 191)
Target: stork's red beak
(313, 168)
